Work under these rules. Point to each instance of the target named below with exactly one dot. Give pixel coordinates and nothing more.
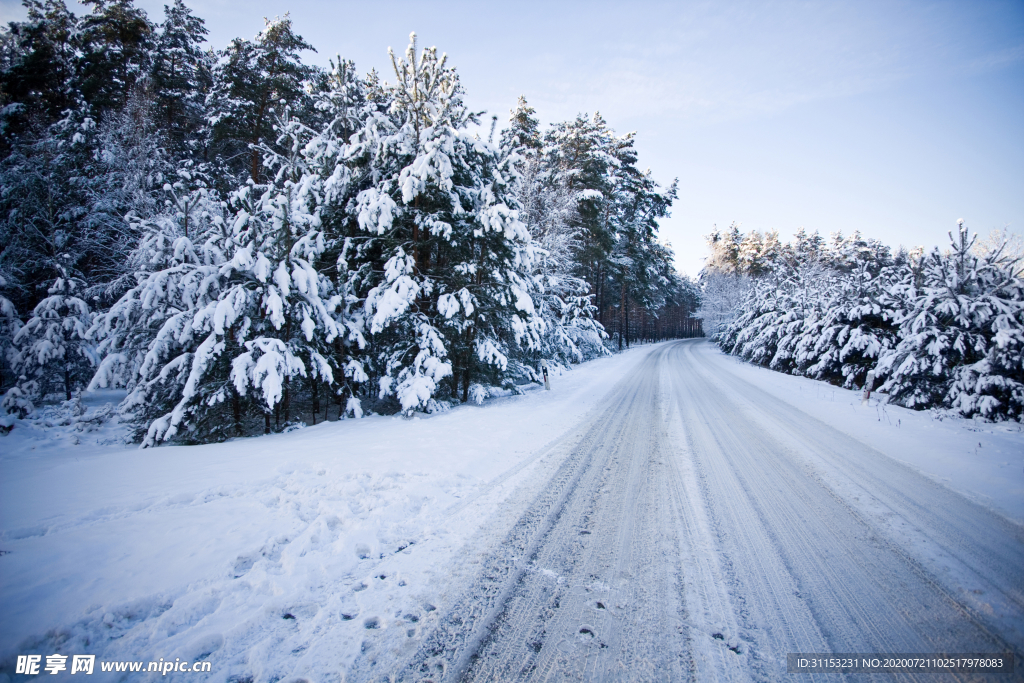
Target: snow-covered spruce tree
(549, 209)
(724, 283)
(343, 103)
(856, 325)
(1011, 244)
(754, 333)
(821, 311)
(37, 70)
(961, 341)
(725, 251)
(736, 259)
(301, 302)
(944, 330)
(54, 61)
(451, 297)
(131, 168)
(180, 249)
(776, 313)
(181, 270)
(256, 318)
(617, 211)
(49, 224)
(51, 353)
(564, 300)
(83, 150)
(10, 323)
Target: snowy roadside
(269, 556)
(982, 461)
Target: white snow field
(666, 514)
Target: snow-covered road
(694, 526)
(668, 513)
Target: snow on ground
(983, 461)
(272, 556)
(268, 555)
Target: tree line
(938, 329)
(244, 241)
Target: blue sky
(894, 118)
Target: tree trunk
(626, 328)
(314, 391)
(455, 380)
(287, 399)
(255, 168)
(622, 313)
(236, 408)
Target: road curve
(701, 529)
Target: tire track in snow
(568, 590)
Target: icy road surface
(696, 527)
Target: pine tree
(856, 326)
(251, 81)
(779, 311)
(39, 70)
(750, 254)
(453, 288)
(640, 269)
(262, 275)
(131, 168)
(725, 250)
(181, 76)
(523, 130)
(181, 248)
(942, 331)
(961, 339)
(10, 323)
(257, 321)
(51, 352)
(49, 223)
(116, 44)
(584, 155)
(548, 207)
(721, 295)
(617, 213)
(725, 281)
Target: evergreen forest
(243, 241)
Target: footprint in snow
(242, 566)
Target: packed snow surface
(668, 512)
